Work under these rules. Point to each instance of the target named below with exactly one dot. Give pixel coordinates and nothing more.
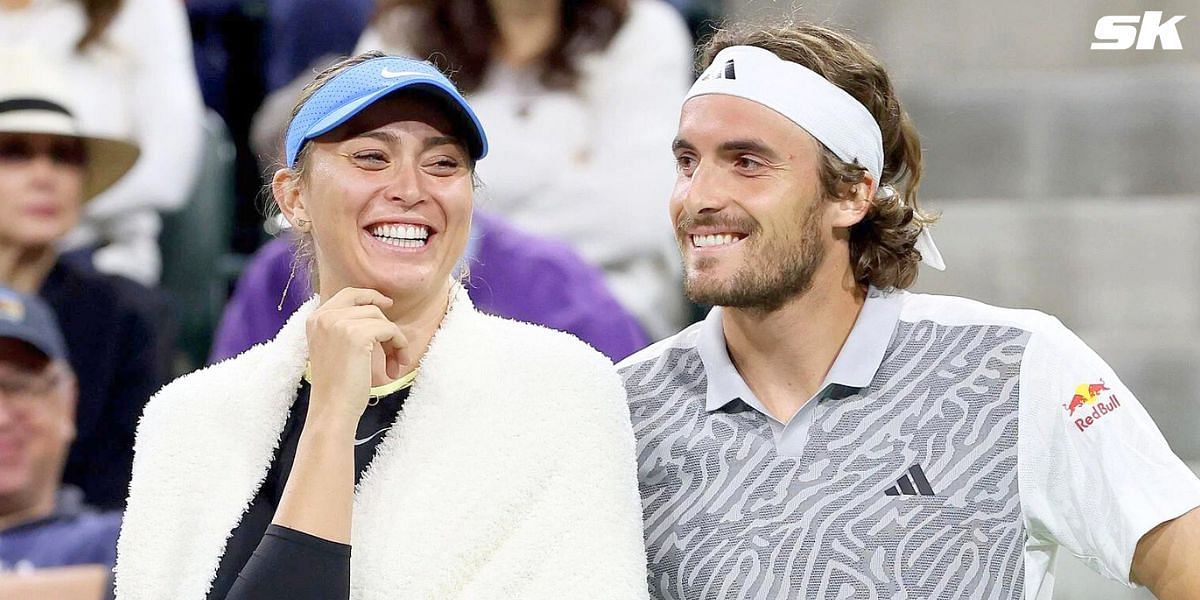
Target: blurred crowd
(136, 137)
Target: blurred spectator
(131, 60)
(229, 42)
(301, 32)
(47, 171)
(51, 544)
(511, 274)
(580, 99)
(701, 16)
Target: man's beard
(774, 272)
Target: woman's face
(388, 199)
(41, 186)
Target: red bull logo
(1088, 395)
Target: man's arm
(1167, 556)
(84, 582)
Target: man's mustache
(731, 222)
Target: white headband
(821, 108)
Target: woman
(475, 457)
(580, 98)
(132, 60)
(50, 171)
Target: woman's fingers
(395, 348)
(357, 297)
(387, 343)
(329, 316)
(353, 345)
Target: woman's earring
(302, 224)
(288, 285)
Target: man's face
(37, 423)
(41, 187)
(747, 205)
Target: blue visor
(356, 88)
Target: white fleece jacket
(510, 472)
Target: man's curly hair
(882, 244)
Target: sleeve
(1094, 472)
(132, 250)
(635, 91)
(293, 565)
(167, 111)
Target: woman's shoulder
(537, 345)
(539, 364)
(560, 385)
(230, 385)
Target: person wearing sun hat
(458, 454)
(49, 169)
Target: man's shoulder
(74, 534)
(91, 526)
(683, 341)
(960, 311)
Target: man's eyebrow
(732, 146)
(749, 145)
(681, 144)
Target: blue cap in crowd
(356, 88)
(28, 319)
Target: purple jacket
(512, 274)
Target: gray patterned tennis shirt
(952, 448)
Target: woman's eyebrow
(442, 140)
(386, 137)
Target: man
(48, 172)
(51, 546)
(824, 433)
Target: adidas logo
(726, 72)
(918, 485)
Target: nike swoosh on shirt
(358, 442)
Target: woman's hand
(351, 344)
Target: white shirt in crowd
(138, 82)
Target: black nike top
(267, 562)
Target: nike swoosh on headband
(389, 74)
(358, 442)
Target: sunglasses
(66, 152)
